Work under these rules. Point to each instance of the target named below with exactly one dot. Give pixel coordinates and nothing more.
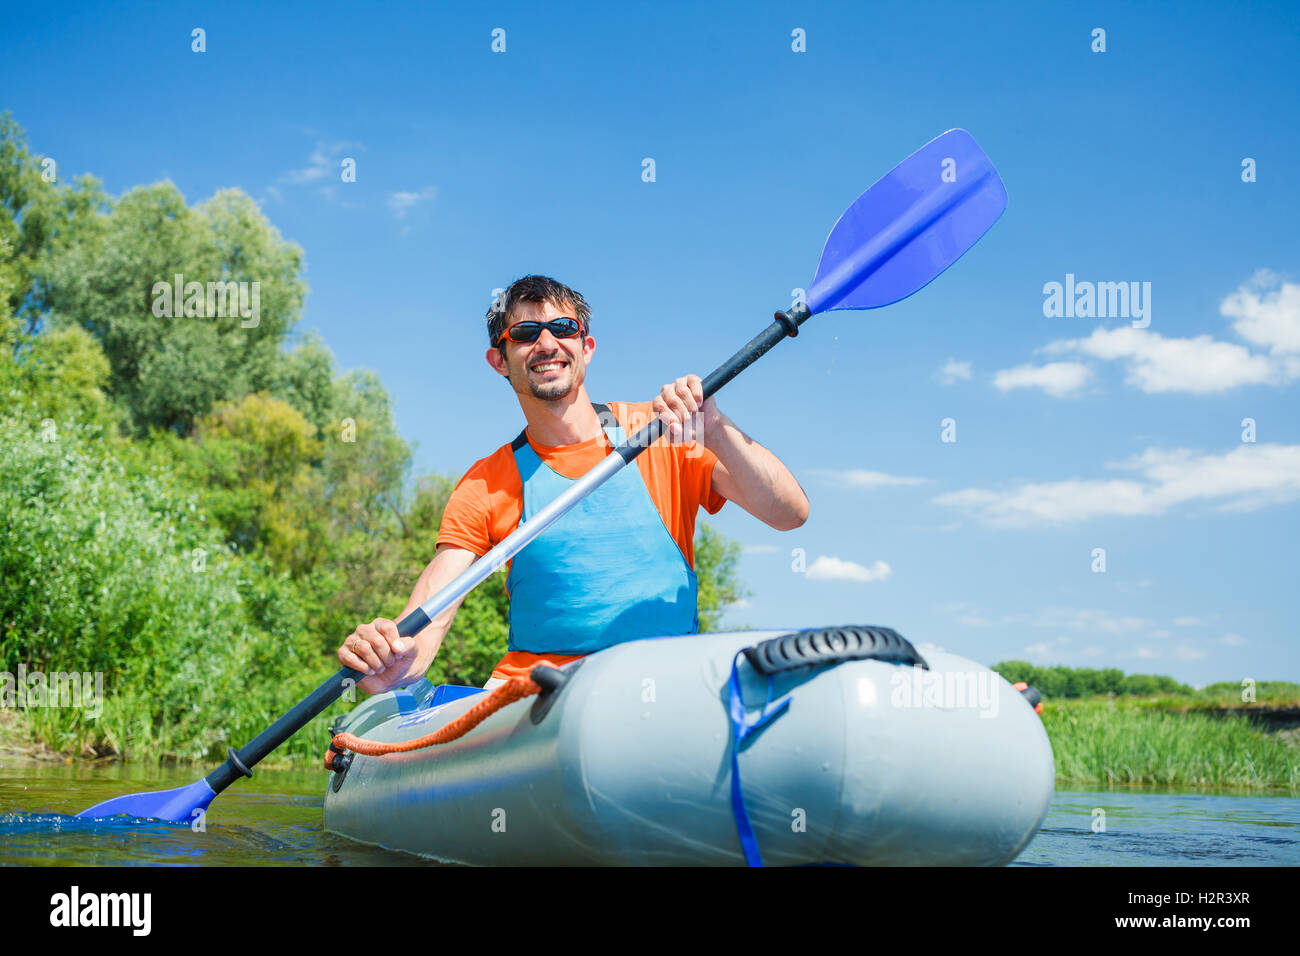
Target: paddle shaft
(785, 324)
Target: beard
(551, 391)
(554, 389)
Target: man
(620, 565)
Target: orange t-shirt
(487, 503)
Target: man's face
(548, 368)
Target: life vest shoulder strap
(607, 420)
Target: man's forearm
(756, 478)
(436, 575)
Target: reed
(1166, 742)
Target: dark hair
(534, 289)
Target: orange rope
(516, 688)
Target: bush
(104, 570)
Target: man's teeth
(548, 366)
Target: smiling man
(621, 564)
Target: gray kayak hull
(873, 763)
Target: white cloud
(1232, 640)
(1044, 650)
(1249, 477)
(760, 549)
(1057, 379)
(1189, 622)
(740, 603)
(1086, 619)
(868, 480)
(827, 568)
(1091, 620)
(1265, 313)
(1146, 653)
(323, 163)
(1200, 365)
(1270, 320)
(954, 372)
(403, 202)
(1185, 653)
(317, 168)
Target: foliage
(1273, 693)
(199, 510)
(1083, 681)
(169, 369)
(126, 578)
(716, 561)
(1119, 741)
(37, 218)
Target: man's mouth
(553, 365)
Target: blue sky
(475, 167)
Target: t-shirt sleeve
(466, 521)
(700, 462)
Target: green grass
(1168, 741)
(1274, 693)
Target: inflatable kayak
(840, 745)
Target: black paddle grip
(239, 763)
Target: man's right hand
(377, 650)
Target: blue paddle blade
(176, 806)
(913, 223)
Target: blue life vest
(608, 571)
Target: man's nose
(546, 341)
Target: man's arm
(390, 660)
(746, 472)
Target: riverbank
(21, 743)
(1171, 740)
(17, 742)
(1175, 741)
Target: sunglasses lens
(530, 331)
(524, 332)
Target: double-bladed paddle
(912, 224)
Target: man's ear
(588, 346)
(497, 361)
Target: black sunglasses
(561, 328)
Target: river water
(275, 818)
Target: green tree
(254, 458)
(1067, 682)
(170, 370)
(37, 217)
(716, 561)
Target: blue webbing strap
(740, 731)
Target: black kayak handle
(815, 647)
